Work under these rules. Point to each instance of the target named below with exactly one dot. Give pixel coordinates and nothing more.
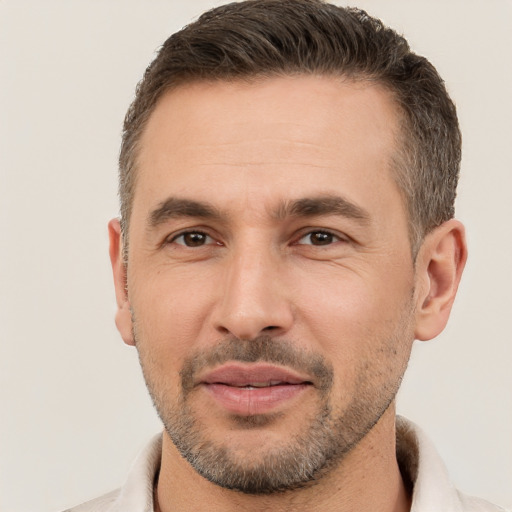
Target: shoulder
(422, 467)
(100, 504)
(136, 494)
(472, 504)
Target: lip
(253, 389)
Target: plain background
(73, 406)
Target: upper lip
(239, 375)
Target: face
(270, 280)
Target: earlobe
(439, 267)
(123, 314)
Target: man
(287, 178)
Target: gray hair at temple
(256, 39)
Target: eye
(318, 238)
(192, 239)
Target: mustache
(263, 348)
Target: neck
(368, 478)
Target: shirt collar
(418, 460)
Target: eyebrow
(323, 205)
(174, 207)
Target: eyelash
(190, 232)
(335, 238)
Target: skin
(357, 300)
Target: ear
(123, 315)
(439, 265)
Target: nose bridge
(254, 298)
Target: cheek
(356, 318)
(170, 310)
(346, 303)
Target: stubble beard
(297, 462)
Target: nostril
(270, 328)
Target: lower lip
(251, 401)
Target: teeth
(265, 384)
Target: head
(248, 40)
(288, 212)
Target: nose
(254, 297)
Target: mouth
(253, 389)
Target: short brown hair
(266, 38)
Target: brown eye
(318, 238)
(193, 239)
(321, 238)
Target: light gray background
(73, 407)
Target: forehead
(291, 136)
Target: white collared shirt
(418, 460)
